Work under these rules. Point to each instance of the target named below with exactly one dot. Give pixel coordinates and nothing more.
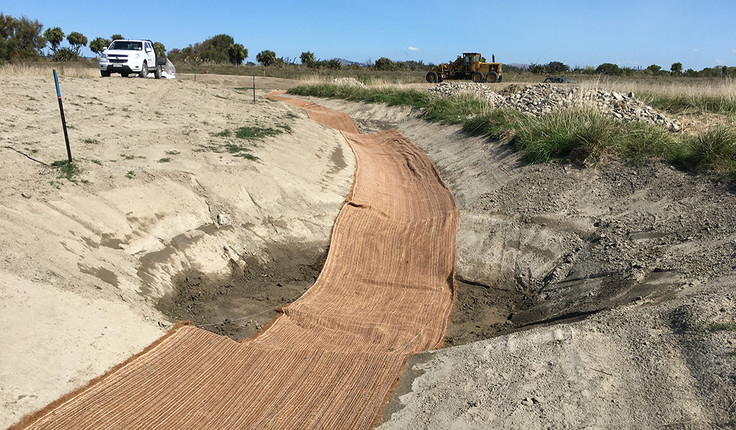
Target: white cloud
(718, 61)
(734, 51)
(413, 49)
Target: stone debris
(352, 82)
(540, 99)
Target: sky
(630, 33)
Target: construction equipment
(470, 66)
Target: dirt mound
(540, 99)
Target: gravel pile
(540, 99)
(349, 82)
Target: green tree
(98, 44)
(556, 67)
(116, 36)
(237, 53)
(215, 49)
(676, 68)
(160, 49)
(20, 38)
(334, 64)
(655, 69)
(384, 63)
(77, 40)
(266, 57)
(608, 69)
(54, 36)
(308, 59)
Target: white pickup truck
(130, 56)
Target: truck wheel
(157, 72)
(492, 76)
(144, 70)
(477, 77)
(432, 77)
(104, 74)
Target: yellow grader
(470, 66)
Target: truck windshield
(125, 45)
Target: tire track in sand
(331, 358)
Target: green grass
(164, 160)
(251, 133)
(240, 151)
(66, 169)
(570, 135)
(691, 104)
(730, 326)
(130, 174)
(91, 141)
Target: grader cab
(470, 66)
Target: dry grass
(69, 70)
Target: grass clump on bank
(66, 169)
(578, 135)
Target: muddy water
(239, 305)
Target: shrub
(715, 150)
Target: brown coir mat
(331, 358)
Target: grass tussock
(67, 170)
(715, 150)
(576, 135)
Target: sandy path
(329, 361)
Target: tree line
(21, 40)
(557, 67)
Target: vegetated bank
(576, 134)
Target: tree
(676, 68)
(215, 49)
(307, 59)
(77, 40)
(266, 57)
(384, 63)
(556, 67)
(160, 49)
(655, 69)
(237, 53)
(116, 36)
(98, 44)
(54, 36)
(608, 69)
(20, 38)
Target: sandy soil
(162, 198)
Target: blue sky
(626, 32)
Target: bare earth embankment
(166, 212)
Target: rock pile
(540, 99)
(352, 82)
